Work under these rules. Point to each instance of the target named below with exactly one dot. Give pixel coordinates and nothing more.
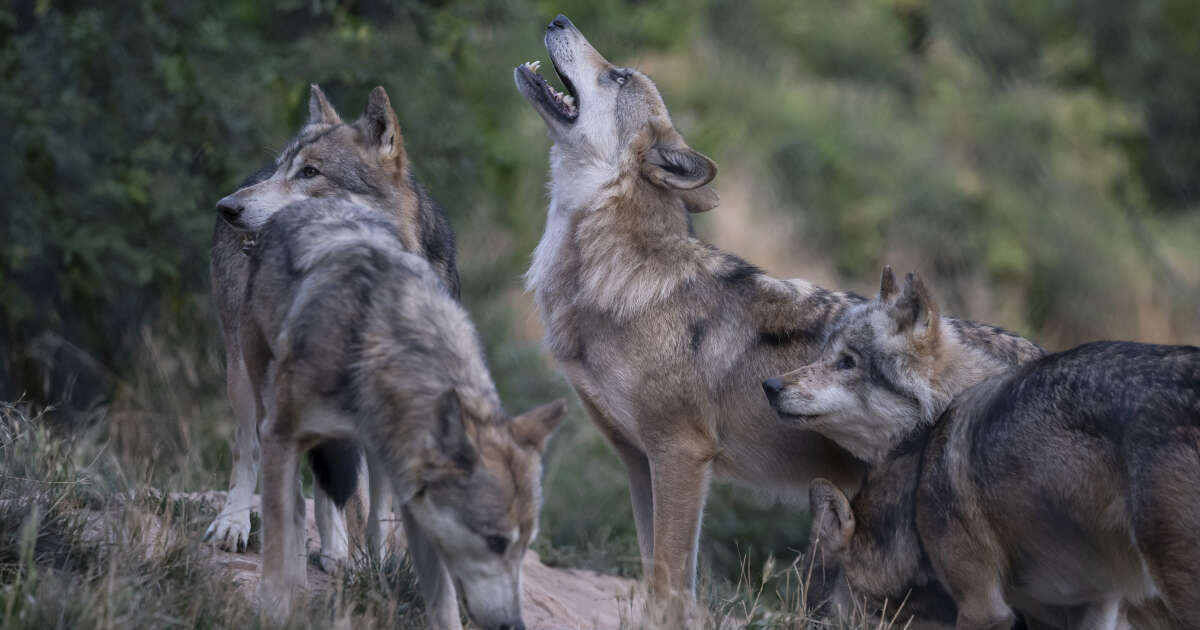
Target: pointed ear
(671, 163)
(381, 126)
(915, 311)
(319, 109)
(887, 284)
(832, 518)
(532, 428)
(451, 432)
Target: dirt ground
(553, 599)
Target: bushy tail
(335, 466)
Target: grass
(81, 546)
(85, 545)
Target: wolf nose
(230, 208)
(560, 22)
(772, 387)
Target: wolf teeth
(568, 99)
(533, 65)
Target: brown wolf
(1066, 487)
(664, 337)
(364, 162)
(347, 336)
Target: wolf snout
(772, 387)
(231, 208)
(559, 23)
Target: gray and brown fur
(364, 162)
(1067, 487)
(893, 356)
(347, 336)
(664, 337)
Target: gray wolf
(364, 162)
(347, 336)
(891, 357)
(1065, 487)
(665, 338)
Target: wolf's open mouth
(565, 106)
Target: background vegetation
(1036, 161)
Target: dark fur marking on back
(786, 337)
(696, 332)
(437, 237)
(738, 271)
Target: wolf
(348, 336)
(664, 337)
(364, 161)
(1066, 486)
(893, 356)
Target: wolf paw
(230, 531)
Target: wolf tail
(335, 466)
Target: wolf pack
(957, 474)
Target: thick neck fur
(613, 241)
(968, 353)
(885, 559)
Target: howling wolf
(665, 338)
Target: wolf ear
(832, 518)
(700, 199)
(319, 109)
(381, 126)
(451, 432)
(887, 284)
(532, 428)
(673, 164)
(915, 309)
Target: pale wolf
(664, 337)
(346, 336)
(364, 161)
(1067, 487)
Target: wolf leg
(982, 607)
(1105, 615)
(331, 525)
(637, 469)
(641, 495)
(378, 486)
(680, 482)
(231, 529)
(1166, 508)
(437, 588)
(283, 571)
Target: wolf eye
(845, 363)
(619, 77)
(497, 544)
(309, 172)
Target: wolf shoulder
(1112, 390)
(308, 235)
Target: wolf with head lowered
(1067, 487)
(363, 162)
(664, 337)
(348, 336)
